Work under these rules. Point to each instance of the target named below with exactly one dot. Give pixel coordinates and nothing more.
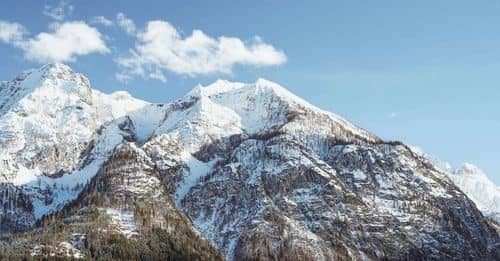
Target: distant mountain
(231, 170)
(486, 194)
(473, 181)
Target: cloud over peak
(160, 47)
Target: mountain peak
(261, 87)
(224, 86)
(469, 169)
(241, 161)
(59, 73)
(55, 67)
(50, 74)
(266, 106)
(48, 81)
(215, 88)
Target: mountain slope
(50, 119)
(473, 182)
(479, 188)
(258, 172)
(306, 178)
(124, 213)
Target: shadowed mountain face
(249, 171)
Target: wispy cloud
(126, 23)
(393, 115)
(60, 11)
(101, 20)
(12, 33)
(160, 48)
(124, 78)
(63, 43)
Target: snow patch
(197, 170)
(359, 175)
(123, 221)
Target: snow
(146, 121)
(63, 249)
(359, 175)
(123, 221)
(70, 250)
(68, 186)
(307, 238)
(52, 112)
(349, 149)
(261, 105)
(116, 105)
(197, 170)
(474, 183)
(200, 124)
(54, 106)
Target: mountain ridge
(473, 181)
(254, 170)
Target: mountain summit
(479, 188)
(473, 182)
(231, 170)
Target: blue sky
(424, 72)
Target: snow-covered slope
(261, 173)
(479, 188)
(473, 182)
(49, 115)
(50, 121)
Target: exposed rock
(257, 171)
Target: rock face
(473, 182)
(259, 172)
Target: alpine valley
(231, 171)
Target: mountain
(473, 182)
(486, 194)
(48, 120)
(231, 170)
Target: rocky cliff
(249, 171)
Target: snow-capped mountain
(49, 119)
(248, 171)
(486, 194)
(473, 182)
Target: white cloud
(158, 75)
(101, 20)
(160, 47)
(60, 11)
(63, 43)
(124, 78)
(125, 23)
(11, 33)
